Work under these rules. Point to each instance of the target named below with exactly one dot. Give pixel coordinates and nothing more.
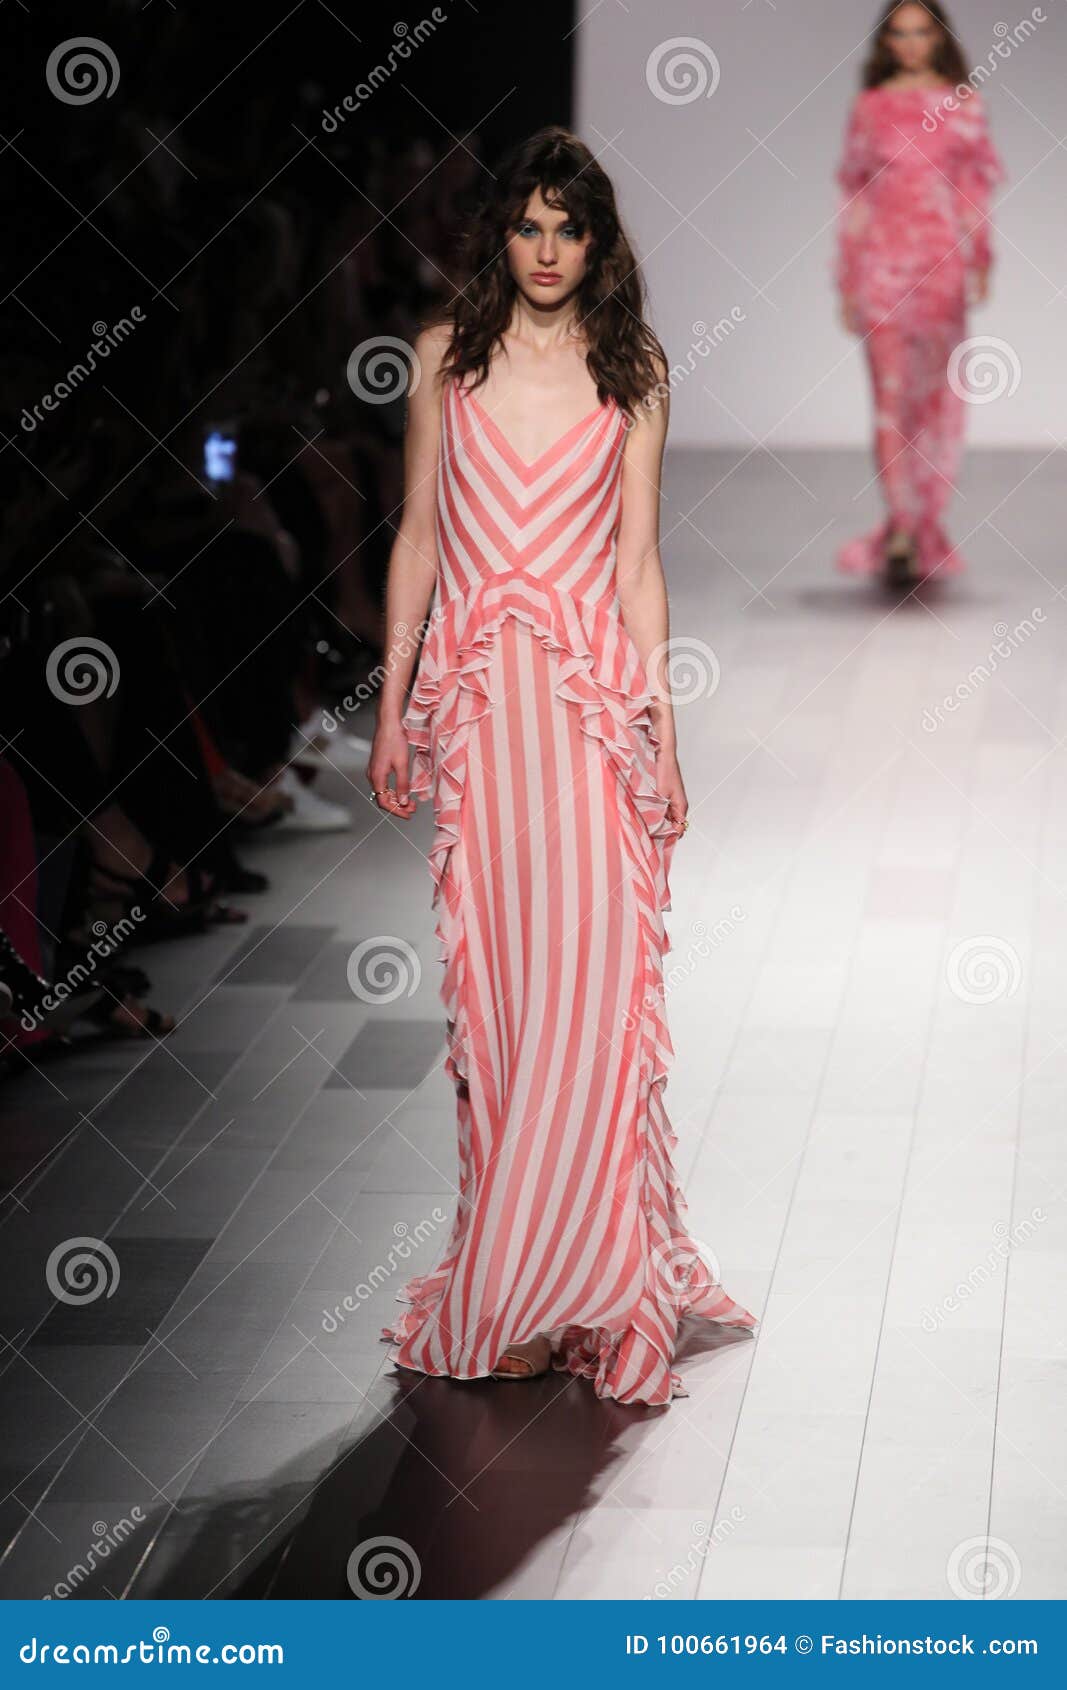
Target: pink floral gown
(916, 179)
(530, 725)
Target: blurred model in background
(913, 253)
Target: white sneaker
(310, 813)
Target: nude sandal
(531, 1372)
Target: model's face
(547, 255)
(913, 37)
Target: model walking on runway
(541, 724)
(913, 252)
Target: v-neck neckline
(528, 466)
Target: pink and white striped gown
(530, 726)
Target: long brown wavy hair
(948, 60)
(611, 296)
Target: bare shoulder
(648, 427)
(659, 365)
(431, 343)
(428, 351)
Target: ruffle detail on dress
(601, 673)
(682, 1278)
(681, 1275)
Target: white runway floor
(868, 1001)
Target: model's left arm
(640, 581)
(978, 171)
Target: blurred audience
(196, 532)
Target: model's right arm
(853, 174)
(411, 575)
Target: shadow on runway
(473, 1476)
(467, 1478)
(828, 600)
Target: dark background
(231, 234)
(250, 249)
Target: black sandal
(26, 992)
(119, 976)
(103, 1015)
(165, 919)
(901, 561)
(162, 918)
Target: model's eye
(569, 231)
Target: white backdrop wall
(730, 201)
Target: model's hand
(669, 782)
(850, 318)
(389, 757)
